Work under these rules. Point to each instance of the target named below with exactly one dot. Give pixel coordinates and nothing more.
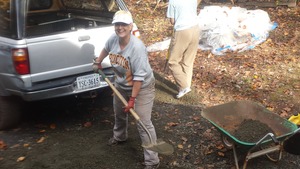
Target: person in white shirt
(184, 42)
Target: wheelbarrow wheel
(227, 141)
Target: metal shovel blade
(161, 147)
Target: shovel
(159, 146)
(167, 59)
(168, 55)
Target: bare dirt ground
(71, 133)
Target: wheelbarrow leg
(251, 154)
(235, 157)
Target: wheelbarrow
(229, 117)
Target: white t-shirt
(184, 13)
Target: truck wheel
(10, 111)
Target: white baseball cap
(122, 16)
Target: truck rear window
(39, 4)
(99, 5)
(68, 15)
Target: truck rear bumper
(58, 91)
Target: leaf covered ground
(268, 74)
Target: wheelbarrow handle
(297, 130)
(266, 136)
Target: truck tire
(10, 111)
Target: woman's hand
(130, 104)
(96, 65)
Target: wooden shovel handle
(134, 114)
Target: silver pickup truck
(47, 48)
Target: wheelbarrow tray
(227, 118)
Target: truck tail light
(21, 61)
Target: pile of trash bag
(225, 29)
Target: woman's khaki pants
(184, 46)
(143, 107)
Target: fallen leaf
(52, 126)
(105, 121)
(208, 151)
(2, 145)
(287, 109)
(172, 124)
(174, 163)
(220, 147)
(42, 131)
(221, 154)
(284, 115)
(87, 124)
(196, 118)
(26, 145)
(42, 139)
(297, 86)
(15, 146)
(180, 146)
(20, 159)
(270, 108)
(184, 139)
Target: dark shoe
(152, 166)
(113, 142)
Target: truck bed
(51, 23)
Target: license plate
(89, 81)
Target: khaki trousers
(184, 46)
(143, 107)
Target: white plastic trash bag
(226, 29)
(159, 46)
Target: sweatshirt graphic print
(121, 67)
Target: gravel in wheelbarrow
(251, 130)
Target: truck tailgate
(65, 54)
